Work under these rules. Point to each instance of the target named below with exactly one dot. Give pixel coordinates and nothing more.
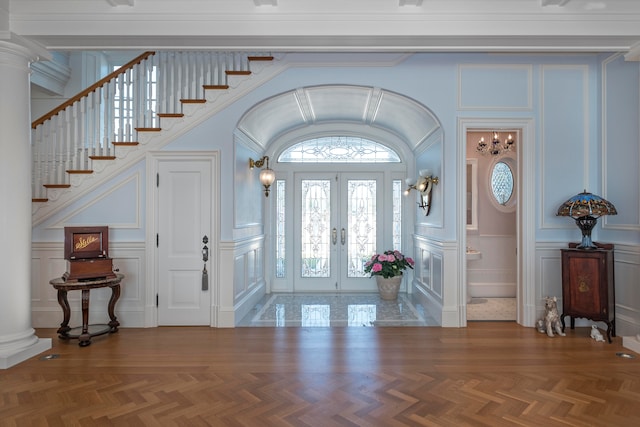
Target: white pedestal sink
(472, 255)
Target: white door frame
(526, 215)
(151, 221)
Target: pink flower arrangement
(388, 264)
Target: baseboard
(632, 343)
(492, 290)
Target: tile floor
(502, 309)
(362, 310)
(326, 310)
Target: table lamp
(585, 208)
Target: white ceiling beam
(410, 2)
(120, 2)
(265, 2)
(544, 3)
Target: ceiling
(368, 110)
(329, 25)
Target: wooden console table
(87, 331)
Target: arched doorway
(390, 119)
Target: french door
(337, 227)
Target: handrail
(91, 88)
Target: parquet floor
(489, 374)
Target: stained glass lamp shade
(585, 208)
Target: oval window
(502, 183)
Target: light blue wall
(562, 94)
(585, 108)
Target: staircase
(142, 106)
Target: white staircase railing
(133, 99)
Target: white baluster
(82, 131)
(75, 161)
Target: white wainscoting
(242, 282)
(436, 278)
(48, 263)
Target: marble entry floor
(492, 309)
(326, 310)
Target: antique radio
(86, 250)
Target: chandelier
(496, 146)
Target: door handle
(334, 235)
(343, 236)
(205, 258)
(205, 249)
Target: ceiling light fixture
(495, 147)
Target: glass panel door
(337, 219)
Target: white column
(18, 341)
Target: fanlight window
(339, 149)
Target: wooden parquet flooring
(489, 374)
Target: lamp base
(586, 224)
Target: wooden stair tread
(79, 171)
(169, 115)
(102, 157)
(215, 87)
(260, 58)
(148, 129)
(125, 143)
(237, 73)
(193, 101)
(39, 200)
(57, 185)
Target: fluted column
(18, 341)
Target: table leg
(115, 294)
(85, 338)
(64, 328)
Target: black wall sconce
(423, 185)
(267, 175)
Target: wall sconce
(267, 175)
(423, 185)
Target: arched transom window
(339, 149)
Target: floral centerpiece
(388, 264)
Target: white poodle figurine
(551, 319)
(596, 334)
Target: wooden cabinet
(588, 286)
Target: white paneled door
(337, 230)
(184, 211)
